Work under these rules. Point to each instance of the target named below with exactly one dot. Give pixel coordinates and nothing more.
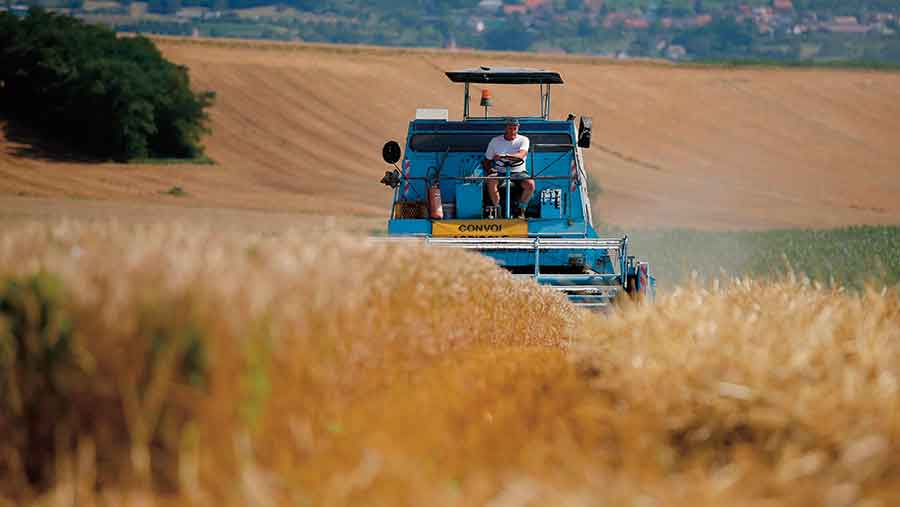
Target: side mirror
(391, 152)
(584, 132)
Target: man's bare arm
(517, 154)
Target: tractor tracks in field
(628, 158)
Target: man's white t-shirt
(499, 144)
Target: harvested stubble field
(298, 129)
(180, 365)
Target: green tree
(110, 97)
(584, 28)
(164, 6)
(511, 35)
(724, 37)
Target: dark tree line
(723, 38)
(398, 10)
(105, 96)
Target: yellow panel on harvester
(479, 228)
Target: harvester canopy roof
(505, 75)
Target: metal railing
(614, 246)
(507, 177)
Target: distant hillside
(772, 30)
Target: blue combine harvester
(440, 194)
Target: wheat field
(181, 365)
(242, 342)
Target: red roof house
(509, 9)
(637, 23)
(614, 18)
(536, 4)
(783, 5)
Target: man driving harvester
(507, 153)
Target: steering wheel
(511, 161)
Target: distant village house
(510, 9)
(676, 52)
(783, 5)
(846, 24)
(490, 5)
(636, 23)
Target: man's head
(512, 129)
